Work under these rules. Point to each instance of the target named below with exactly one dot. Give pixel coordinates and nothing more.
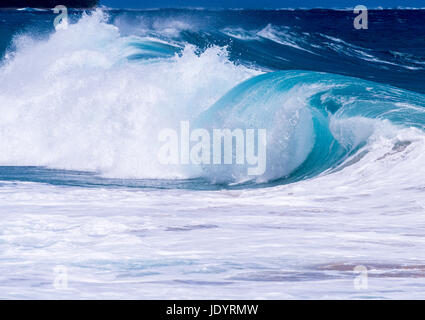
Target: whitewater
(82, 190)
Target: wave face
(93, 97)
(328, 119)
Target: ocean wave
(85, 103)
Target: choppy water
(81, 188)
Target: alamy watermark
(362, 20)
(60, 280)
(361, 280)
(217, 147)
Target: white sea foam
(284, 37)
(74, 101)
(294, 241)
